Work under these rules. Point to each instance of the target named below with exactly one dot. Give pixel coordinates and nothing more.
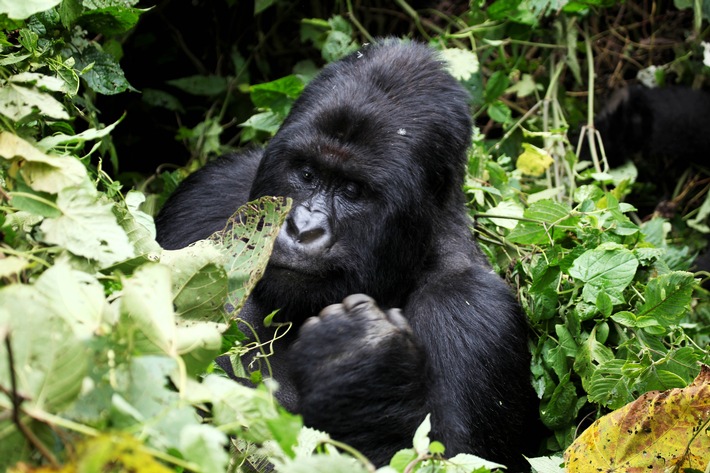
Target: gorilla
(395, 311)
(663, 131)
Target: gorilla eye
(307, 174)
(352, 190)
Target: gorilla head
(373, 155)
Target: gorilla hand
(341, 354)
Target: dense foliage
(107, 341)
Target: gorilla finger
(359, 302)
(396, 318)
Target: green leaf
(49, 361)
(609, 387)
(102, 73)
(533, 161)
(208, 86)
(505, 209)
(402, 459)
(562, 406)
(277, 95)
(606, 268)
(110, 21)
(147, 301)
(667, 297)
(495, 86)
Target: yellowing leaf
(533, 161)
(660, 431)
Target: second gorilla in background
(373, 155)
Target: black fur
(662, 130)
(373, 155)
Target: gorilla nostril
(310, 236)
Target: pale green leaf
(147, 301)
(461, 63)
(87, 227)
(42, 172)
(17, 102)
(421, 436)
(21, 9)
(204, 445)
(505, 209)
(667, 297)
(49, 362)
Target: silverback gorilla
(373, 155)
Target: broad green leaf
(402, 459)
(495, 86)
(562, 406)
(111, 20)
(264, 121)
(87, 227)
(19, 10)
(144, 385)
(606, 268)
(199, 281)
(529, 233)
(277, 95)
(667, 297)
(102, 73)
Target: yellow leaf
(533, 161)
(661, 431)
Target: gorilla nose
(308, 229)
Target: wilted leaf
(248, 238)
(661, 431)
